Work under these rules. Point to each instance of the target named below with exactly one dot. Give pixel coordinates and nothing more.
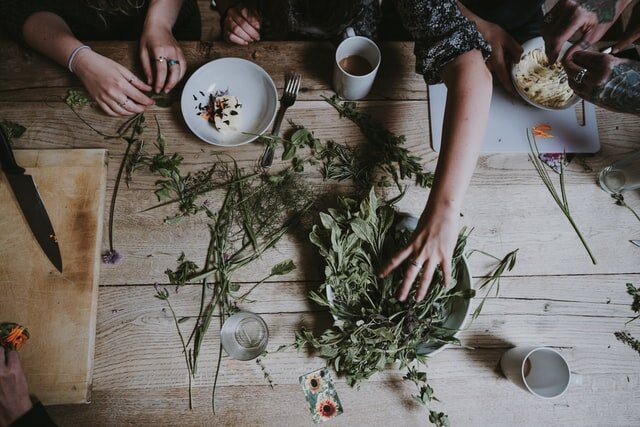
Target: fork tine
(296, 86)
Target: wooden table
(554, 297)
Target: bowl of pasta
(539, 83)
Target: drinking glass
(622, 175)
(244, 335)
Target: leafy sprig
(560, 199)
(619, 200)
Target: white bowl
(244, 79)
(460, 312)
(528, 46)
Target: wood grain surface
(59, 309)
(554, 297)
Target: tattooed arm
(592, 17)
(609, 82)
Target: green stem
(584, 242)
(184, 350)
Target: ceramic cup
(542, 371)
(354, 87)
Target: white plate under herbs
(460, 309)
(241, 78)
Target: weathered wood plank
(469, 402)
(396, 77)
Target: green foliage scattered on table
(12, 130)
(76, 99)
(385, 151)
(373, 328)
(626, 337)
(619, 200)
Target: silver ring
(123, 103)
(414, 263)
(130, 80)
(580, 76)
(161, 58)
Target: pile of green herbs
(373, 328)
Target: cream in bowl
(542, 84)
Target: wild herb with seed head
(385, 151)
(76, 99)
(626, 337)
(619, 200)
(560, 199)
(256, 212)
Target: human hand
(116, 90)
(505, 50)
(631, 33)
(592, 17)
(241, 25)
(432, 244)
(14, 394)
(158, 45)
(605, 80)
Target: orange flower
(327, 408)
(16, 337)
(541, 130)
(314, 383)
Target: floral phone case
(321, 395)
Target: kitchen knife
(26, 192)
(635, 242)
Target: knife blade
(26, 193)
(635, 242)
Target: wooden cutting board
(59, 309)
(509, 117)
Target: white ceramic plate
(242, 78)
(528, 46)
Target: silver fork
(291, 88)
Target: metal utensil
(291, 87)
(635, 242)
(26, 192)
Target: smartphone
(321, 395)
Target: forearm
(163, 13)
(50, 35)
(469, 89)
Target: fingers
(588, 60)
(425, 280)
(146, 65)
(241, 26)
(13, 361)
(395, 261)
(410, 276)
(513, 48)
(629, 37)
(139, 84)
(161, 70)
(177, 70)
(446, 271)
(499, 67)
(554, 46)
(245, 30)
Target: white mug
(542, 371)
(349, 86)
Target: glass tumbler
(622, 175)
(244, 335)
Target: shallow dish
(460, 309)
(244, 79)
(528, 46)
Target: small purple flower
(111, 257)
(226, 256)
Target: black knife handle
(7, 160)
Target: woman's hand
(505, 50)
(605, 80)
(14, 394)
(160, 48)
(241, 25)
(116, 90)
(431, 245)
(592, 17)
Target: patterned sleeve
(14, 13)
(441, 34)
